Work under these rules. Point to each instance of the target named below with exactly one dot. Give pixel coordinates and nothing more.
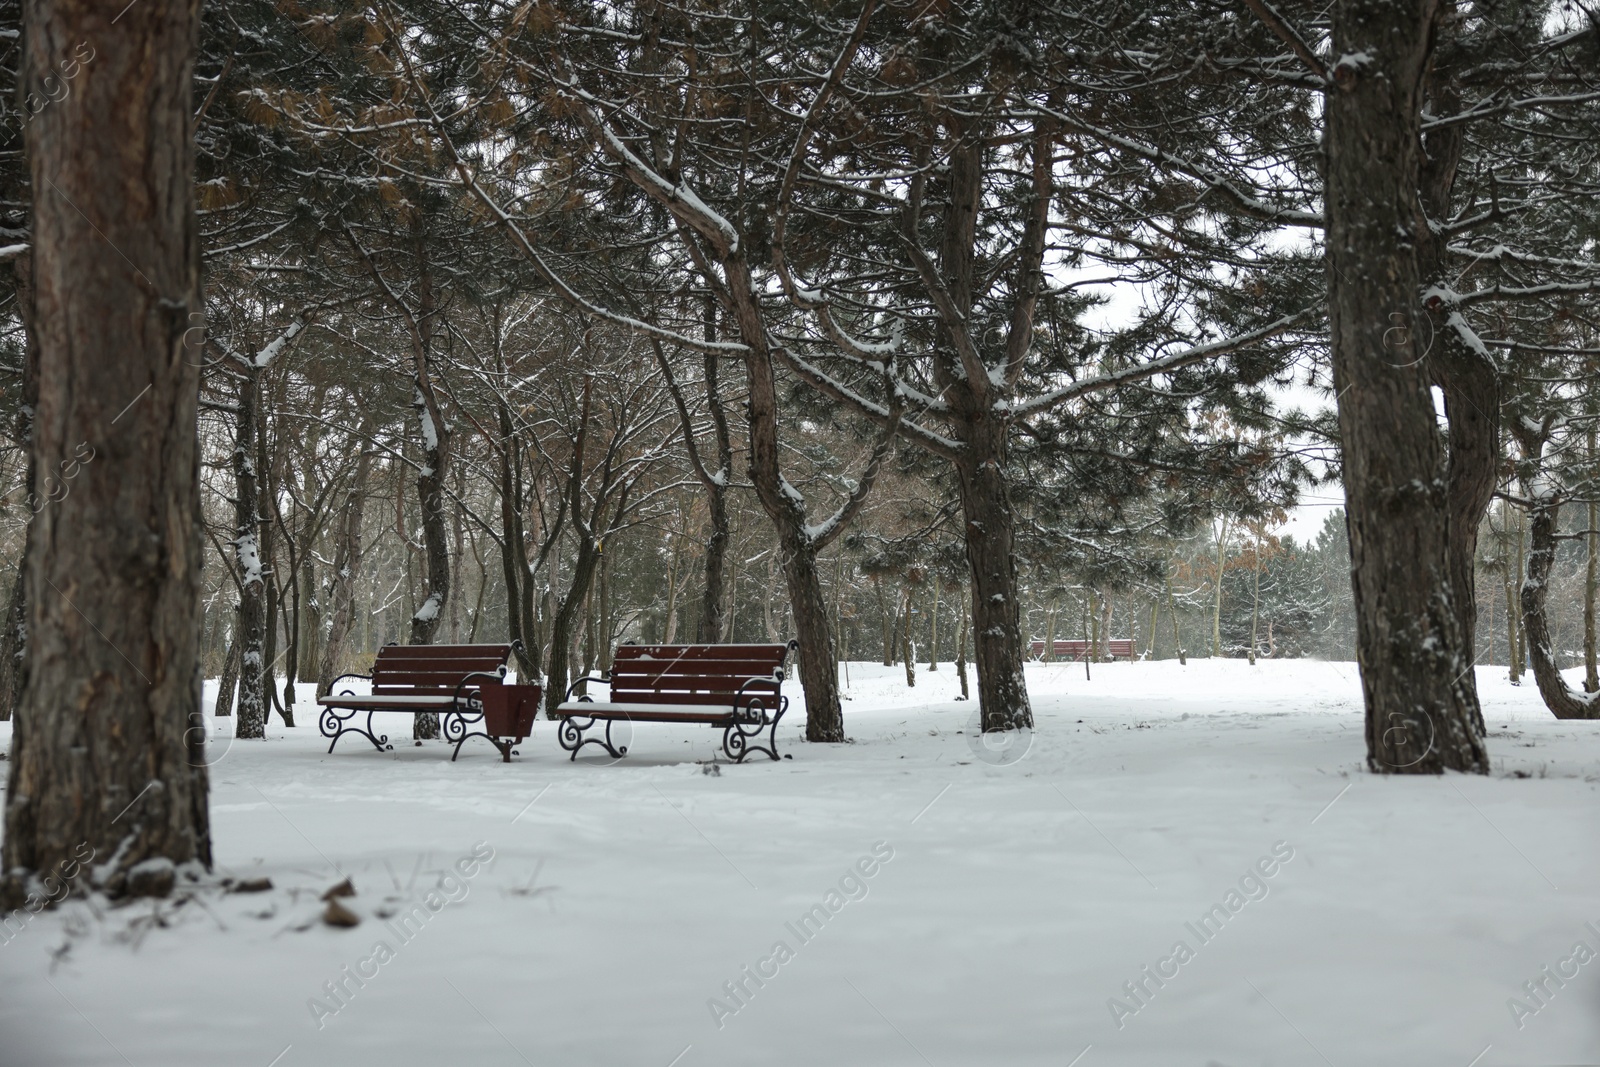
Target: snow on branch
(829, 386)
(1101, 382)
(679, 199)
(1246, 202)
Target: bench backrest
(1073, 648)
(432, 670)
(694, 674)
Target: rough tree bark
(982, 429)
(108, 749)
(1421, 718)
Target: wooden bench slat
(444, 650)
(672, 685)
(709, 714)
(696, 654)
(650, 696)
(474, 663)
(428, 678)
(738, 677)
(740, 669)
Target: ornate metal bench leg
(571, 737)
(737, 736)
(457, 727)
(336, 726)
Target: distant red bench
(1075, 649)
(449, 679)
(736, 687)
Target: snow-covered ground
(980, 907)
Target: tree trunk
(1255, 604)
(1519, 662)
(251, 721)
(108, 750)
(311, 652)
(1096, 632)
(961, 646)
(14, 641)
(1420, 717)
(272, 591)
(908, 654)
(992, 560)
(434, 438)
(346, 568)
(1508, 580)
(1464, 373)
(1562, 701)
(885, 623)
(933, 630)
(519, 577)
(562, 628)
(1216, 604)
(712, 627)
(291, 633)
(1591, 582)
(1106, 603)
(1177, 634)
(228, 684)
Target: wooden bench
(1075, 648)
(736, 687)
(408, 679)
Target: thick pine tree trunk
(1421, 717)
(998, 649)
(108, 749)
(1465, 375)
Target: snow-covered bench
(420, 678)
(736, 687)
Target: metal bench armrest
(342, 677)
(602, 679)
(462, 686)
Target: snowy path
(1021, 896)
